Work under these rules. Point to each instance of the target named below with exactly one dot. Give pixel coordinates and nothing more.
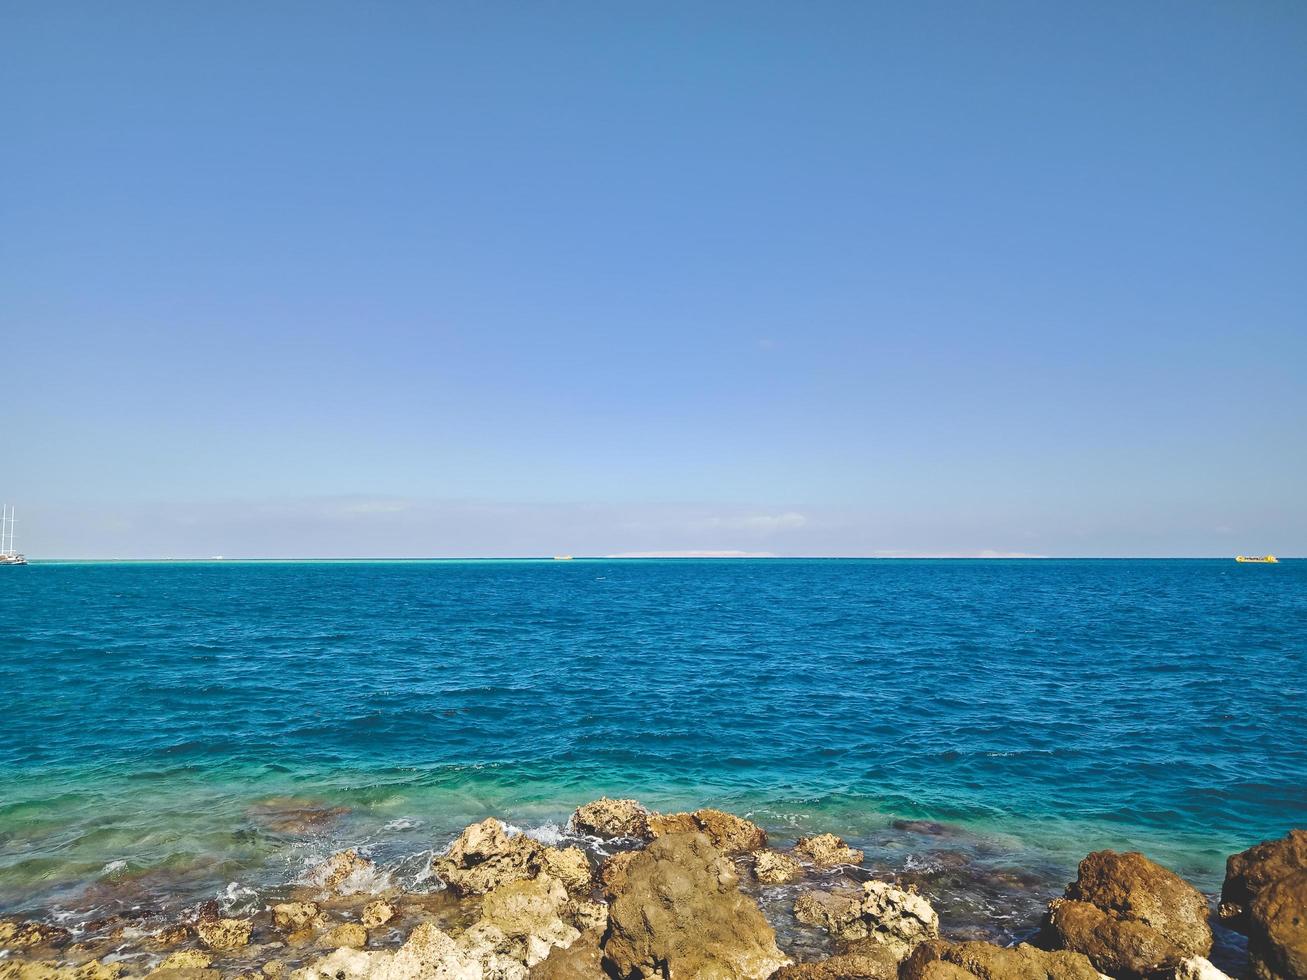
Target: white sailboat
(8, 556)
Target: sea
(175, 732)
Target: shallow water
(179, 731)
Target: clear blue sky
(490, 279)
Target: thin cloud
(693, 554)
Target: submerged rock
(608, 818)
(1249, 872)
(17, 934)
(1130, 916)
(938, 960)
(879, 914)
(729, 834)
(484, 856)
(775, 868)
(679, 913)
(827, 851)
(1277, 929)
(224, 933)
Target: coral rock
(879, 914)
(484, 856)
(224, 933)
(294, 916)
(874, 963)
(729, 834)
(827, 851)
(377, 913)
(349, 934)
(581, 961)
(612, 818)
(679, 914)
(530, 914)
(429, 954)
(775, 868)
(24, 935)
(570, 866)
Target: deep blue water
(1040, 708)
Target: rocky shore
(676, 896)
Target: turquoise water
(175, 731)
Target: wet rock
(1250, 871)
(729, 834)
(349, 934)
(224, 933)
(484, 856)
(186, 959)
(679, 913)
(377, 913)
(1130, 916)
(273, 969)
(294, 916)
(26, 935)
(879, 914)
(530, 914)
(932, 961)
(875, 963)
(173, 935)
(43, 970)
(827, 851)
(570, 866)
(1277, 929)
(775, 868)
(608, 818)
(184, 973)
(580, 961)
(343, 872)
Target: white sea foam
(113, 866)
(403, 823)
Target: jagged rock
(484, 856)
(530, 914)
(1130, 916)
(377, 913)
(1198, 968)
(24, 935)
(294, 916)
(827, 851)
(184, 973)
(273, 968)
(612, 818)
(570, 866)
(349, 934)
(429, 954)
(612, 873)
(879, 914)
(343, 872)
(662, 824)
(932, 961)
(874, 963)
(1248, 872)
(581, 961)
(224, 933)
(173, 935)
(775, 868)
(679, 914)
(729, 834)
(1277, 929)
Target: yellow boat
(1262, 560)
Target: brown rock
(581, 961)
(173, 935)
(930, 961)
(875, 963)
(347, 934)
(679, 914)
(189, 960)
(728, 833)
(662, 824)
(294, 916)
(827, 851)
(1248, 872)
(16, 934)
(612, 818)
(377, 913)
(530, 914)
(1277, 929)
(775, 868)
(224, 933)
(612, 873)
(335, 873)
(484, 856)
(879, 914)
(41, 970)
(1130, 916)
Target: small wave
(403, 823)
